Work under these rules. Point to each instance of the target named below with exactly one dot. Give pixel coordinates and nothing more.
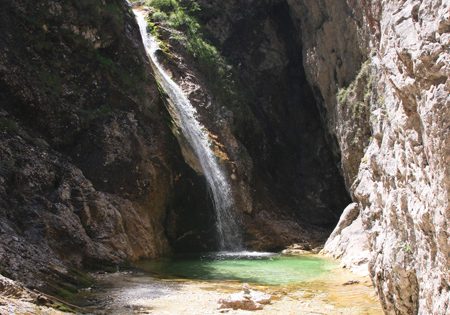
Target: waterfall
(197, 137)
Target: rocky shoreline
(134, 292)
(313, 106)
(17, 299)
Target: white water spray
(197, 137)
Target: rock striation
(349, 242)
(399, 173)
(404, 184)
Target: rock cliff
(378, 71)
(262, 112)
(88, 164)
(403, 184)
(312, 105)
(391, 117)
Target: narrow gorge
(157, 156)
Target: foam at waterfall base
(239, 255)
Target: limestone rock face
(402, 182)
(349, 243)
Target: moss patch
(354, 116)
(181, 16)
(8, 125)
(357, 95)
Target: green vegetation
(81, 278)
(67, 290)
(99, 13)
(406, 247)
(66, 294)
(130, 78)
(164, 5)
(176, 22)
(51, 82)
(63, 308)
(159, 16)
(358, 93)
(181, 16)
(105, 62)
(354, 105)
(115, 13)
(8, 125)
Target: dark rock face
(335, 45)
(286, 179)
(295, 180)
(190, 223)
(87, 160)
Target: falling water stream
(306, 284)
(197, 136)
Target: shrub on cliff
(180, 15)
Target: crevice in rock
(293, 156)
(295, 183)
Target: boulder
(247, 299)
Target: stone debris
(247, 299)
(296, 249)
(16, 299)
(350, 282)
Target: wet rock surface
(287, 186)
(88, 163)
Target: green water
(166, 286)
(265, 269)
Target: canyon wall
(331, 102)
(404, 184)
(89, 166)
(391, 117)
(91, 174)
(269, 125)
